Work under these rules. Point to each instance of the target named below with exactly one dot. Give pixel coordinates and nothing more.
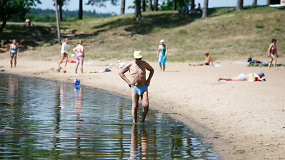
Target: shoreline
(224, 114)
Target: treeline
(48, 15)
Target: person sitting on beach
(249, 77)
(28, 22)
(272, 53)
(138, 84)
(63, 53)
(197, 9)
(79, 50)
(208, 60)
(185, 9)
(13, 52)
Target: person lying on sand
(249, 77)
(208, 60)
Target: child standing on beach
(79, 50)
(272, 53)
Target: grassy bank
(226, 34)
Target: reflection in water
(47, 120)
(13, 90)
(78, 107)
(138, 143)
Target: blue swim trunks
(139, 89)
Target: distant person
(198, 9)
(120, 64)
(208, 60)
(63, 53)
(28, 22)
(13, 52)
(138, 84)
(161, 55)
(185, 9)
(249, 77)
(272, 53)
(79, 50)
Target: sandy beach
(241, 120)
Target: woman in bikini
(79, 50)
(272, 53)
(13, 52)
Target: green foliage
(14, 8)
(168, 4)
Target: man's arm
(122, 73)
(151, 70)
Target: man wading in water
(138, 84)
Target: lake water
(43, 119)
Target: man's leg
(135, 99)
(145, 104)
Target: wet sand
(242, 120)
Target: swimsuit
(15, 49)
(139, 89)
(77, 57)
(206, 64)
(273, 49)
(162, 58)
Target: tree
(80, 11)
(174, 5)
(143, 5)
(149, 5)
(254, 3)
(61, 3)
(138, 10)
(11, 8)
(192, 4)
(123, 4)
(239, 5)
(205, 9)
(155, 5)
(57, 21)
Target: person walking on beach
(161, 55)
(272, 53)
(138, 84)
(208, 60)
(13, 52)
(79, 50)
(63, 53)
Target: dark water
(49, 120)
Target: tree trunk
(192, 5)
(3, 23)
(205, 9)
(155, 5)
(123, 4)
(149, 5)
(268, 2)
(174, 5)
(239, 5)
(57, 22)
(254, 3)
(60, 12)
(138, 10)
(80, 10)
(143, 5)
